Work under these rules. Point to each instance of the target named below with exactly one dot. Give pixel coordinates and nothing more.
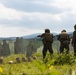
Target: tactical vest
(48, 37)
(64, 38)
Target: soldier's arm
(72, 39)
(68, 38)
(42, 35)
(58, 36)
(39, 36)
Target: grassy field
(53, 65)
(56, 64)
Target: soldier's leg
(50, 49)
(75, 50)
(44, 51)
(67, 48)
(61, 48)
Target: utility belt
(65, 42)
(46, 42)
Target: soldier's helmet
(63, 30)
(47, 31)
(75, 26)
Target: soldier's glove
(38, 36)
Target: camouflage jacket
(64, 37)
(74, 38)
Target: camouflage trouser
(64, 46)
(75, 49)
(47, 46)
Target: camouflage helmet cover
(47, 30)
(63, 30)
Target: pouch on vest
(48, 37)
(66, 42)
(64, 37)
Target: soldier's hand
(38, 36)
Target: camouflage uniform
(0, 49)
(74, 40)
(47, 44)
(64, 41)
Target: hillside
(30, 36)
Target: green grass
(55, 65)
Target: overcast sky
(24, 17)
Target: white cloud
(16, 31)
(55, 3)
(65, 4)
(10, 14)
(73, 6)
(48, 19)
(44, 17)
(60, 3)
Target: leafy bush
(60, 59)
(56, 64)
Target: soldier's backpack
(48, 37)
(65, 38)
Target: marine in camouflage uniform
(0, 49)
(64, 41)
(47, 43)
(74, 40)
(5, 48)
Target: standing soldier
(0, 49)
(47, 42)
(5, 48)
(74, 40)
(64, 41)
